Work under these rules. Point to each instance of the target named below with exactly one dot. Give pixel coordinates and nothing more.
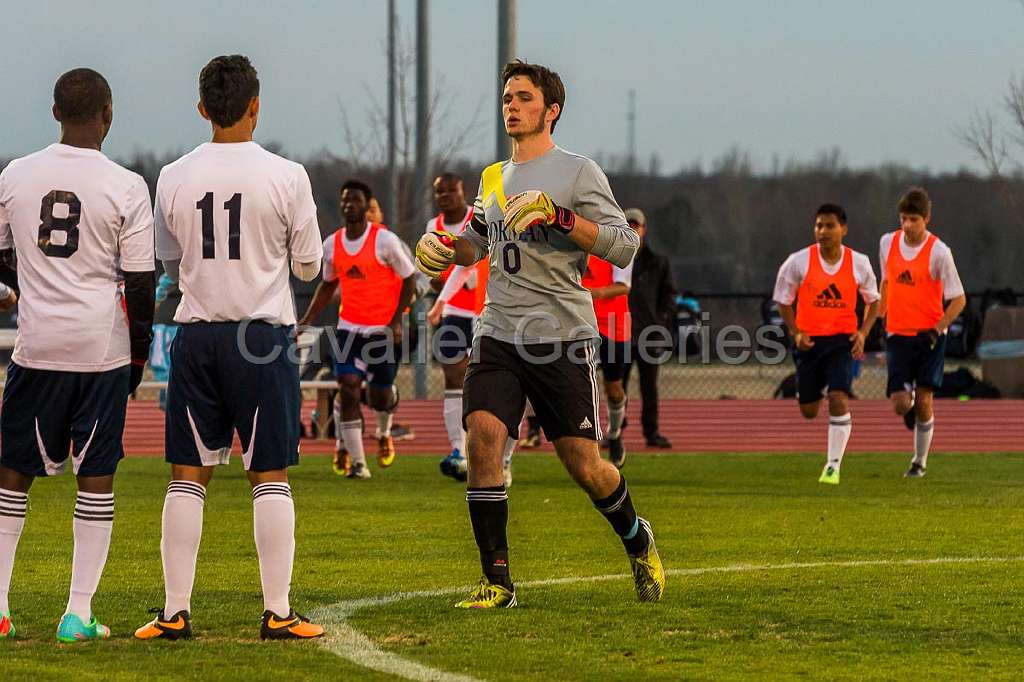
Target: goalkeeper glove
(435, 252)
(533, 207)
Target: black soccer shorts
(560, 381)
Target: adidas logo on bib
(585, 424)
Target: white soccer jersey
(76, 220)
(236, 215)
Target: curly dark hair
(549, 82)
(226, 86)
(359, 186)
(80, 95)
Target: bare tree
(366, 146)
(985, 141)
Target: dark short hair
(548, 81)
(915, 200)
(357, 185)
(449, 177)
(226, 86)
(80, 95)
(832, 209)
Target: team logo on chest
(830, 297)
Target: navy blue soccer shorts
(48, 414)
(453, 338)
(228, 377)
(912, 364)
(828, 364)
(368, 356)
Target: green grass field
(407, 530)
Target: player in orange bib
(377, 280)
(825, 279)
(460, 301)
(609, 287)
(918, 277)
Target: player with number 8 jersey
(230, 216)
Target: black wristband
(565, 220)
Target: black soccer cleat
(910, 419)
(294, 626)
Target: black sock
(618, 509)
(533, 423)
(488, 510)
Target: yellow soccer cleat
(829, 475)
(385, 451)
(648, 573)
(295, 626)
(489, 596)
(342, 463)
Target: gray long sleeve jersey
(534, 294)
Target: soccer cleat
(359, 470)
(402, 432)
(506, 474)
(161, 627)
(648, 573)
(6, 626)
(454, 465)
(72, 629)
(342, 463)
(385, 451)
(616, 452)
(486, 595)
(530, 440)
(915, 471)
(829, 475)
(294, 626)
(658, 441)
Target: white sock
(616, 415)
(510, 447)
(839, 429)
(13, 507)
(352, 436)
(94, 521)
(179, 545)
(273, 522)
(453, 419)
(923, 432)
(384, 423)
(337, 425)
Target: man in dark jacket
(651, 298)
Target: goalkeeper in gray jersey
(537, 218)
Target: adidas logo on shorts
(585, 424)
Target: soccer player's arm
(396, 258)
(868, 288)
(786, 284)
(597, 224)
(325, 290)
(883, 287)
(471, 246)
(944, 268)
(304, 244)
(135, 243)
(8, 263)
(621, 280)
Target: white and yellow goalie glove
(533, 207)
(435, 252)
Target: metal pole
(631, 134)
(391, 197)
(506, 53)
(422, 155)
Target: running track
(703, 426)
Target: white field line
(345, 641)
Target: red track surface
(704, 426)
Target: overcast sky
(882, 80)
